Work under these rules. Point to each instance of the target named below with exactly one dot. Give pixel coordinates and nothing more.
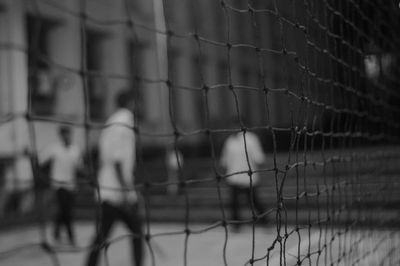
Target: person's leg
(173, 187)
(58, 214)
(108, 216)
(235, 206)
(131, 218)
(67, 214)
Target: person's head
(125, 99)
(65, 135)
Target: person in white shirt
(65, 159)
(242, 154)
(119, 200)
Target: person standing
(241, 155)
(119, 200)
(64, 158)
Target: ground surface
(20, 246)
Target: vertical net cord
(228, 81)
(176, 134)
(131, 26)
(243, 128)
(32, 139)
(319, 221)
(358, 113)
(264, 89)
(297, 132)
(306, 90)
(342, 145)
(86, 116)
(205, 89)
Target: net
(313, 83)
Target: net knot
(224, 223)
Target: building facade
(193, 66)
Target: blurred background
(65, 62)
(316, 81)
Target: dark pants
(236, 192)
(110, 214)
(65, 201)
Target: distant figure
(64, 158)
(237, 155)
(119, 200)
(17, 193)
(173, 162)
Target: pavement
(208, 244)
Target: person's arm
(121, 180)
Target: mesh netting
(316, 81)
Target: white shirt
(174, 160)
(234, 159)
(117, 145)
(64, 163)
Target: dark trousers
(236, 193)
(65, 201)
(130, 217)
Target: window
(97, 83)
(40, 81)
(135, 65)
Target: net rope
(333, 179)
